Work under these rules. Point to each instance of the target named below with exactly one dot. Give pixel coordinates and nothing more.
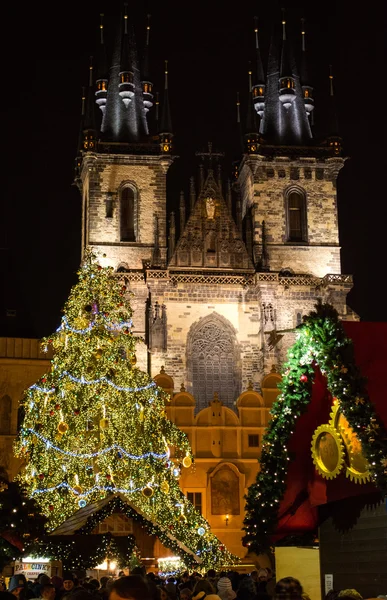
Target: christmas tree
(96, 425)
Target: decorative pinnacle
(166, 75)
(303, 34)
(250, 73)
(91, 72)
(148, 30)
(238, 109)
(101, 27)
(331, 80)
(126, 17)
(256, 32)
(83, 101)
(283, 25)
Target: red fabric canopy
(305, 488)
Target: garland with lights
(84, 552)
(320, 341)
(96, 425)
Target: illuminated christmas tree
(96, 426)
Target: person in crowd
(185, 594)
(103, 592)
(68, 584)
(46, 591)
(164, 593)
(224, 585)
(349, 594)
(270, 585)
(261, 585)
(130, 587)
(185, 582)
(202, 589)
(3, 587)
(57, 582)
(17, 585)
(247, 589)
(212, 578)
(288, 588)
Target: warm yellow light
(102, 566)
(113, 565)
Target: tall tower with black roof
(122, 162)
(288, 188)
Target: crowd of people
(139, 585)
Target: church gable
(210, 238)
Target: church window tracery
(213, 362)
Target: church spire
(89, 129)
(251, 136)
(166, 133)
(102, 71)
(147, 85)
(287, 92)
(334, 138)
(285, 120)
(307, 89)
(126, 75)
(259, 87)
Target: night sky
(45, 64)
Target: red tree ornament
(304, 378)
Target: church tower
(220, 284)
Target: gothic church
(218, 304)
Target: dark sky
(208, 47)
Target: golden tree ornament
(327, 451)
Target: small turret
(165, 133)
(307, 90)
(172, 236)
(287, 92)
(334, 138)
(147, 85)
(89, 129)
(192, 193)
(126, 77)
(102, 72)
(259, 87)
(251, 135)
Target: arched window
(128, 214)
(296, 216)
(212, 360)
(5, 415)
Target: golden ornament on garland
(77, 489)
(62, 427)
(164, 486)
(187, 461)
(182, 518)
(99, 353)
(104, 423)
(147, 492)
(133, 359)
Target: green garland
(83, 552)
(321, 340)
(117, 505)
